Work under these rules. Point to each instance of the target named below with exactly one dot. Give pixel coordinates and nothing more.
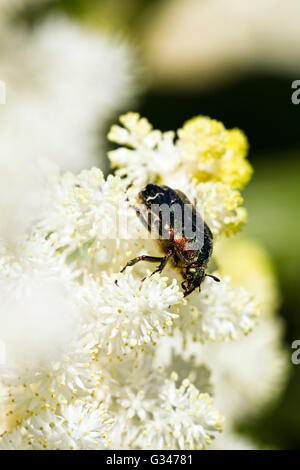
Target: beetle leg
(184, 285)
(188, 292)
(163, 263)
(151, 259)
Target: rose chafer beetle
(182, 234)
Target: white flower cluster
(100, 372)
(63, 83)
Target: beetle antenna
(215, 278)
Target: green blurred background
(253, 97)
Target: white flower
(244, 374)
(17, 439)
(220, 206)
(130, 313)
(134, 389)
(114, 359)
(230, 440)
(198, 374)
(151, 154)
(38, 312)
(63, 83)
(155, 157)
(218, 312)
(137, 383)
(89, 219)
(76, 427)
(24, 191)
(157, 413)
(50, 354)
(182, 419)
(250, 372)
(75, 375)
(248, 264)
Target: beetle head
(194, 276)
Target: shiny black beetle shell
(190, 250)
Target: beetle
(189, 249)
